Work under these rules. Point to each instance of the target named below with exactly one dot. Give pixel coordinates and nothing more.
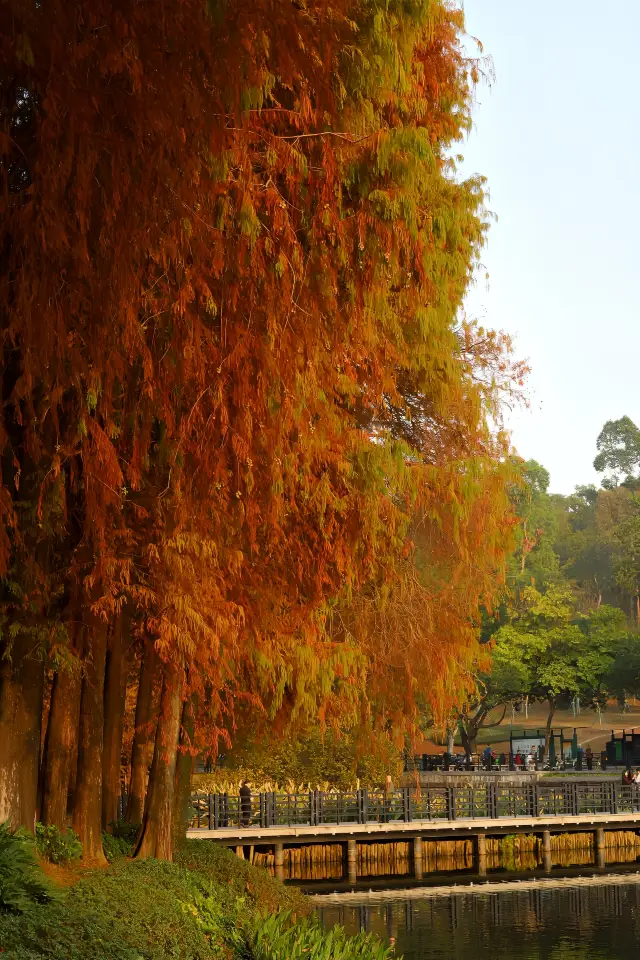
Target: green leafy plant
(56, 846)
(121, 840)
(278, 936)
(21, 881)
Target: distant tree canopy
(568, 624)
(248, 446)
(618, 452)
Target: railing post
(362, 804)
(406, 804)
(535, 800)
(211, 811)
(451, 803)
(492, 801)
(614, 797)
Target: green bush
(115, 848)
(56, 846)
(148, 910)
(121, 840)
(238, 879)
(21, 880)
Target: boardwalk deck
(427, 829)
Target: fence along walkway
(563, 798)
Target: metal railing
(492, 801)
(448, 763)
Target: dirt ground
(592, 730)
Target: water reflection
(522, 853)
(597, 922)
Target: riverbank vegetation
(207, 904)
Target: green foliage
(277, 936)
(121, 840)
(56, 846)
(549, 651)
(308, 759)
(239, 879)
(534, 559)
(618, 451)
(21, 881)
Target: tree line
(250, 470)
(569, 626)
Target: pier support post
(481, 854)
(546, 850)
(279, 861)
(352, 862)
(240, 852)
(417, 857)
(599, 845)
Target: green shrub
(239, 879)
(21, 880)
(278, 936)
(148, 910)
(115, 848)
(56, 846)
(121, 840)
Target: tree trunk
(547, 731)
(114, 697)
(87, 801)
(184, 763)
(59, 746)
(157, 831)
(142, 737)
(21, 691)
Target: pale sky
(558, 137)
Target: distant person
(579, 757)
(503, 759)
(518, 759)
(588, 755)
(487, 755)
(636, 779)
(627, 776)
(245, 804)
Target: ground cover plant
(207, 904)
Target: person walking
(245, 804)
(627, 776)
(588, 755)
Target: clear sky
(558, 137)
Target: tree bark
(142, 738)
(59, 746)
(87, 801)
(184, 764)
(114, 697)
(156, 835)
(21, 691)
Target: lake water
(584, 920)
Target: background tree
(618, 452)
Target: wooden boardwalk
(425, 829)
